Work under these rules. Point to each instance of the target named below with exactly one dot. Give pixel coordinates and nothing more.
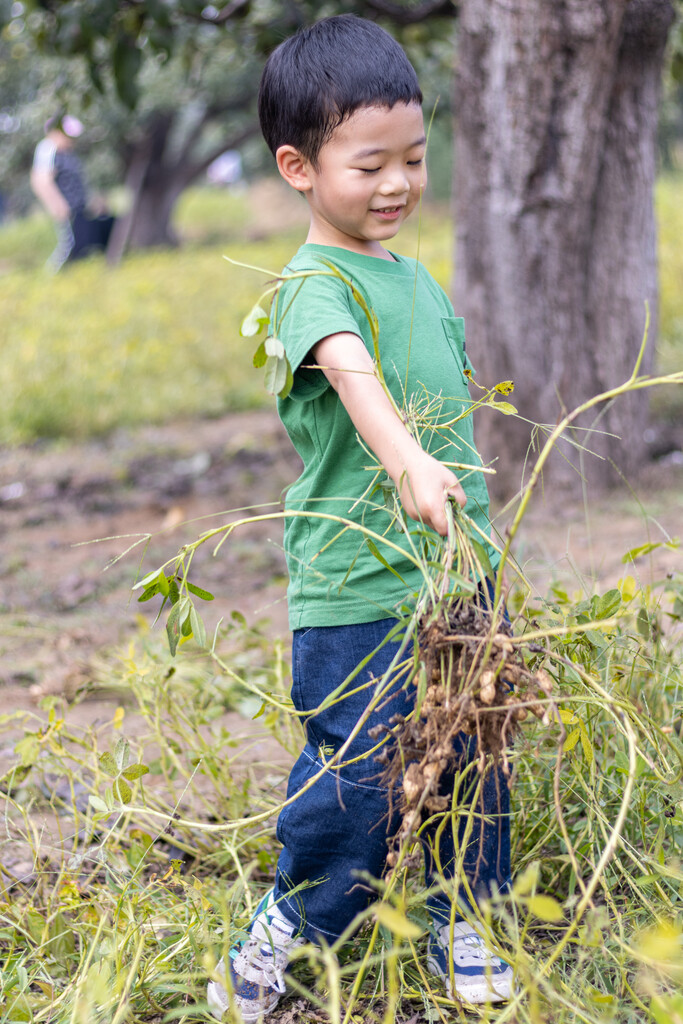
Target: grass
(148, 837)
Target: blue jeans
(336, 832)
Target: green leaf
(122, 753)
(276, 374)
(122, 791)
(198, 592)
(571, 740)
(28, 749)
(135, 771)
(289, 381)
(483, 556)
(108, 764)
(98, 804)
(173, 628)
(198, 630)
(254, 322)
(396, 922)
(528, 879)
(163, 584)
(645, 549)
(374, 550)
(506, 408)
(260, 356)
(61, 942)
(146, 581)
(643, 624)
(608, 604)
(545, 908)
(586, 744)
(148, 594)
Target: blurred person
(58, 182)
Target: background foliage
(157, 338)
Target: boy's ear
(293, 167)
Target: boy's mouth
(388, 212)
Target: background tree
(173, 84)
(162, 103)
(557, 106)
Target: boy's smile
(369, 178)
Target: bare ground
(67, 511)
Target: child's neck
(374, 249)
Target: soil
(70, 511)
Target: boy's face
(369, 178)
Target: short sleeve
(44, 156)
(306, 310)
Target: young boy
(340, 108)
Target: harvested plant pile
(472, 681)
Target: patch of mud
(68, 512)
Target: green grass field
(157, 338)
(154, 339)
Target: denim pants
(335, 833)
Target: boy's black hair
(321, 75)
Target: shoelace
(475, 947)
(274, 976)
(264, 959)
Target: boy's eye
(368, 170)
(415, 163)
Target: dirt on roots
(473, 681)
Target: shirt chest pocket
(454, 329)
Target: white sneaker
(256, 966)
(479, 976)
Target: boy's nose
(395, 183)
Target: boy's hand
(424, 484)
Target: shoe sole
(478, 991)
(217, 999)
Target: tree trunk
(156, 180)
(556, 105)
(151, 186)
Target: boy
(340, 108)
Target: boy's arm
(423, 483)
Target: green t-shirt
(335, 577)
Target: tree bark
(148, 181)
(556, 113)
(156, 180)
